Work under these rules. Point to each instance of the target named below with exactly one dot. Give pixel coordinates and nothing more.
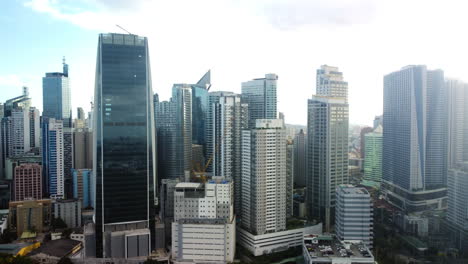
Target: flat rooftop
(328, 246)
(57, 248)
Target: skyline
(291, 46)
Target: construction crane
(199, 171)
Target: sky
(238, 40)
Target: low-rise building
(30, 215)
(327, 249)
(275, 242)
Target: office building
(327, 154)
(330, 82)
(53, 148)
(174, 133)
(378, 120)
(28, 181)
(364, 132)
(458, 122)
(204, 227)
(199, 108)
(19, 142)
(229, 117)
(264, 177)
(260, 95)
(29, 215)
(354, 215)
(56, 96)
(34, 128)
(69, 211)
(373, 159)
(82, 149)
(124, 150)
(80, 113)
(457, 213)
(83, 186)
(415, 139)
(289, 177)
(300, 159)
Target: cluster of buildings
(208, 171)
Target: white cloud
(244, 39)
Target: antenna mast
(123, 29)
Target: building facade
(354, 215)
(289, 177)
(69, 211)
(458, 122)
(56, 96)
(28, 181)
(327, 154)
(260, 95)
(83, 187)
(53, 148)
(300, 159)
(415, 139)
(373, 158)
(330, 82)
(124, 150)
(264, 177)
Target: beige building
(30, 215)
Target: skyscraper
(229, 118)
(415, 139)
(56, 96)
(330, 83)
(260, 95)
(327, 144)
(123, 158)
(289, 177)
(182, 96)
(199, 108)
(373, 159)
(300, 159)
(80, 113)
(457, 213)
(327, 154)
(28, 181)
(53, 158)
(34, 128)
(458, 122)
(264, 177)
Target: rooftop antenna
(123, 29)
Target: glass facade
(56, 96)
(124, 134)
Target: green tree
(58, 223)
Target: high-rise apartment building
(354, 214)
(34, 128)
(415, 139)
(264, 177)
(229, 117)
(53, 148)
(204, 222)
(457, 213)
(330, 83)
(373, 159)
(27, 181)
(260, 95)
(69, 211)
(124, 150)
(327, 154)
(56, 96)
(20, 132)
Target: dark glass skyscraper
(124, 160)
(56, 96)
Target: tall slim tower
(182, 96)
(458, 122)
(300, 159)
(56, 96)
(415, 139)
(260, 95)
(53, 158)
(264, 177)
(327, 144)
(124, 151)
(229, 118)
(373, 159)
(199, 108)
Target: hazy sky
(238, 40)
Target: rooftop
(328, 246)
(350, 189)
(57, 248)
(189, 185)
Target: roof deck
(323, 248)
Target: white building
(330, 82)
(264, 177)
(204, 226)
(69, 211)
(354, 214)
(326, 249)
(53, 151)
(275, 242)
